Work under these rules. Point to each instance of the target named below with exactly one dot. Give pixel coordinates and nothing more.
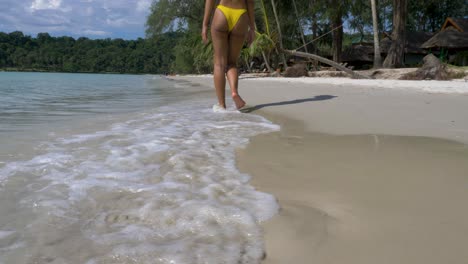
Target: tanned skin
(227, 45)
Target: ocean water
(124, 169)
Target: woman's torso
(234, 3)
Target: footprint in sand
(116, 218)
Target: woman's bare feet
(238, 101)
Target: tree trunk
(375, 25)
(326, 61)
(247, 63)
(285, 64)
(396, 53)
(314, 36)
(338, 30)
(265, 19)
(300, 26)
(266, 62)
(314, 27)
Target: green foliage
(460, 59)
(173, 36)
(184, 17)
(429, 15)
(203, 56)
(360, 16)
(325, 49)
(192, 56)
(161, 18)
(174, 15)
(65, 54)
(262, 43)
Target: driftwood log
(326, 61)
(297, 70)
(432, 69)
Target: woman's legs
(227, 46)
(219, 36)
(236, 41)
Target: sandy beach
(364, 171)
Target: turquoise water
(30, 98)
(124, 169)
(33, 105)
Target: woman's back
(234, 3)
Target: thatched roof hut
(358, 53)
(414, 40)
(460, 24)
(453, 35)
(449, 38)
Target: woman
(230, 25)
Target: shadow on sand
(297, 101)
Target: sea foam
(160, 187)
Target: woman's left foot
(238, 101)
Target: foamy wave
(162, 188)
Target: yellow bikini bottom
(232, 15)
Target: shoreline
(348, 109)
(362, 174)
(47, 71)
(455, 86)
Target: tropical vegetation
(20, 52)
(173, 42)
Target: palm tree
(300, 26)
(279, 33)
(263, 44)
(377, 57)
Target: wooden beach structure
(451, 42)
(361, 54)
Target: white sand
(357, 195)
(454, 86)
(361, 106)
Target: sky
(76, 18)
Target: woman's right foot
(238, 101)
(218, 108)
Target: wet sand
(362, 175)
(363, 198)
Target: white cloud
(96, 32)
(92, 18)
(143, 5)
(119, 22)
(45, 4)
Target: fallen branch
(326, 61)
